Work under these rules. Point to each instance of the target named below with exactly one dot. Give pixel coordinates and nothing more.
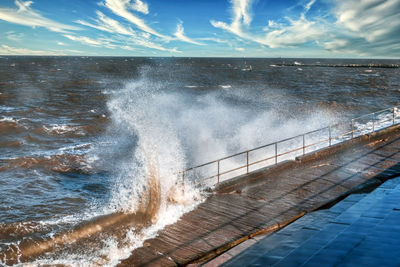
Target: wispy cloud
(180, 35)
(369, 19)
(86, 40)
(298, 32)
(294, 33)
(152, 45)
(215, 40)
(308, 6)
(362, 27)
(13, 36)
(24, 14)
(122, 8)
(9, 50)
(241, 15)
(369, 27)
(107, 24)
(122, 35)
(140, 6)
(101, 42)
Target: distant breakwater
(296, 64)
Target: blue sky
(222, 28)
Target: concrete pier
(361, 230)
(269, 199)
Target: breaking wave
(156, 130)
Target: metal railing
(295, 146)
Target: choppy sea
(90, 147)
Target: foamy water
(92, 154)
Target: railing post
(373, 121)
(247, 162)
(183, 177)
(304, 145)
(393, 115)
(330, 136)
(276, 153)
(352, 128)
(218, 173)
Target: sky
(202, 28)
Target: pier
(265, 200)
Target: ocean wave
(11, 143)
(79, 148)
(72, 130)
(19, 230)
(8, 119)
(64, 129)
(9, 125)
(58, 163)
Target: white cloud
(367, 27)
(25, 15)
(86, 40)
(294, 33)
(13, 36)
(122, 8)
(140, 6)
(8, 50)
(240, 49)
(272, 24)
(369, 19)
(335, 44)
(215, 40)
(107, 24)
(240, 15)
(73, 51)
(180, 35)
(60, 43)
(308, 6)
(120, 42)
(126, 47)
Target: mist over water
(87, 141)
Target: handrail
(304, 146)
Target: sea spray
(162, 120)
(137, 113)
(145, 157)
(159, 128)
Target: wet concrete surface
(361, 230)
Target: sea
(92, 148)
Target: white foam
(63, 129)
(9, 119)
(77, 149)
(143, 109)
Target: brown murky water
(90, 147)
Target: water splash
(157, 129)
